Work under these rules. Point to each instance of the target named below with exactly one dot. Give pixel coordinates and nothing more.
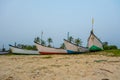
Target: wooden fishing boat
(73, 48)
(16, 50)
(49, 50)
(4, 52)
(94, 44)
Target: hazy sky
(22, 20)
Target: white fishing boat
(94, 44)
(49, 50)
(73, 48)
(4, 52)
(16, 50)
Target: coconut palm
(43, 43)
(78, 42)
(49, 41)
(37, 39)
(70, 39)
(62, 46)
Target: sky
(23, 20)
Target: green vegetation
(111, 50)
(109, 47)
(28, 47)
(78, 42)
(49, 42)
(37, 39)
(43, 42)
(62, 46)
(70, 39)
(115, 52)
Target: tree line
(106, 46)
(77, 41)
(48, 43)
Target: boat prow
(94, 44)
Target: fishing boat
(49, 50)
(94, 44)
(73, 48)
(4, 52)
(16, 50)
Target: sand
(59, 67)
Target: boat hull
(94, 48)
(74, 49)
(73, 52)
(3, 52)
(15, 50)
(94, 44)
(50, 53)
(48, 50)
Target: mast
(68, 36)
(41, 36)
(92, 23)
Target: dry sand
(59, 67)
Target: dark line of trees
(109, 47)
(77, 41)
(28, 47)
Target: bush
(110, 47)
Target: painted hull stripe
(43, 53)
(73, 52)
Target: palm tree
(78, 42)
(49, 41)
(34, 47)
(70, 39)
(37, 39)
(62, 46)
(43, 42)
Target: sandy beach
(59, 67)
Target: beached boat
(94, 44)
(49, 50)
(16, 50)
(73, 48)
(4, 52)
